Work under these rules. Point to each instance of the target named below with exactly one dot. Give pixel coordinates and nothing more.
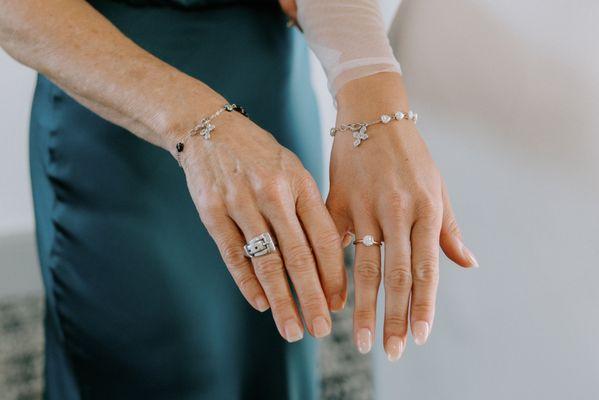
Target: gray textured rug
(21, 346)
(346, 375)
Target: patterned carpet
(346, 375)
(21, 346)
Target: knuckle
(427, 272)
(273, 190)
(423, 307)
(327, 242)
(453, 228)
(399, 203)
(305, 181)
(280, 303)
(364, 315)
(268, 268)
(210, 210)
(312, 301)
(429, 207)
(236, 198)
(398, 279)
(233, 256)
(368, 271)
(298, 257)
(396, 322)
(308, 193)
(247, 283)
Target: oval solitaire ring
(368, 241)
(260, 245)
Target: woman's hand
(289, 7)
(244, 184)
(389, 187)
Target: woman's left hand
(390, 188)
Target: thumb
(451, 237)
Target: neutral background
(508, 94)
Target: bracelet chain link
(359, 130)
(205, 127)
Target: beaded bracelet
(205, 127)
(359, 129)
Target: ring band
(368, 241)
(260, 245)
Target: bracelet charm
(205, 127)
(359, 130)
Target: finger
(451, 237)
(367, 278)
(425, 273)
(397, 280)
(289, 7)
(269, 270)
(279, 208)
(325, 242)
(341, 219)
(230, 243)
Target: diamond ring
(260, 245)
(368, 241)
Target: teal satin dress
(139, 302)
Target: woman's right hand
(244, 183)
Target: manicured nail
(320, 327)
(469, 256)
(347, 240)
(261, 303)
(293, 332)
(337, 302)
(364, 340)
(394, 348)
(420, 331)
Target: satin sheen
(139, 303)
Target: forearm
(370, 96)
(348, 37)
(82, 52)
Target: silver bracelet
(205, 127)
(359, 129)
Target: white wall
(16, 86)
(508, 94)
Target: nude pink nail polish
(261, 303)
(364, 340)
(293, 332)
(320, 327)
(394, 348)
(420, 332)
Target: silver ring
(368, 241)
(260, 245)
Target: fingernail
(347, 240)
(320, 327)
(293, 332)
(337, 302)
(394, 348)
(468, 255)
(420, 331)
(261, 303)
(364, 340)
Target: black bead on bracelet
(205, 127)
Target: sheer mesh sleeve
(348, 38)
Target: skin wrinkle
(95, 65)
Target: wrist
(369, 97)
(177, 115)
